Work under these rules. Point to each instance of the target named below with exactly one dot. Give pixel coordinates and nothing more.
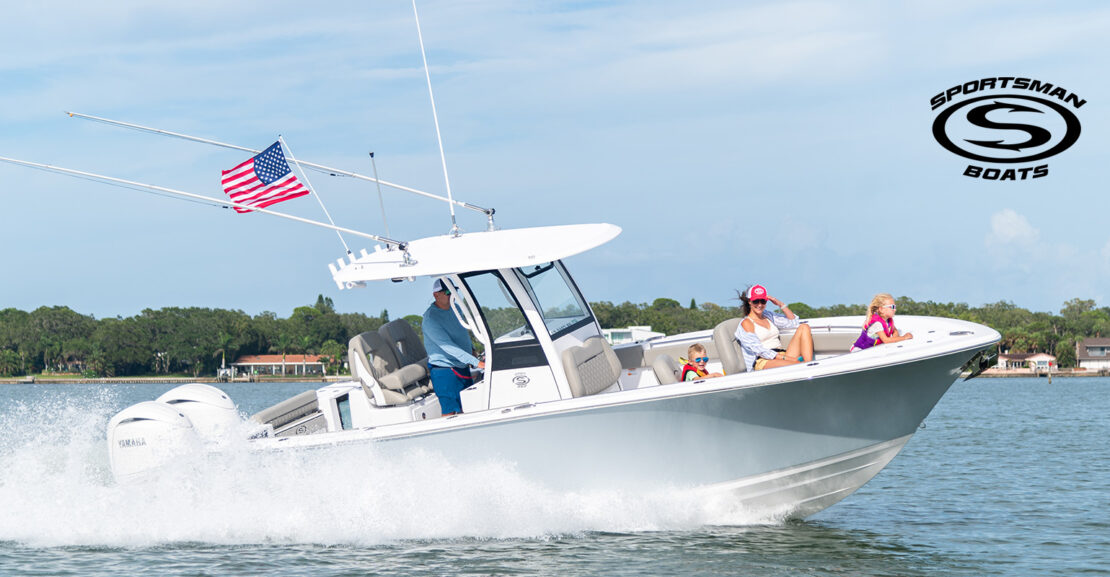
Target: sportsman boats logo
(1006, 122)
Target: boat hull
(783, 449)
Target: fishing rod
(334, 171)
(403, 246)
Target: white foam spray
(56, 489)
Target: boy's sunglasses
(701, 360)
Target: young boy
(694, 368)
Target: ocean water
(1006, 477)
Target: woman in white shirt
(758, 333)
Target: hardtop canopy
(475, 251)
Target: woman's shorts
(761, 363)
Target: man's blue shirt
(447, 342)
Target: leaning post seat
(409, 350)
(384, 380)
(401, 336)
(728, 348)
(591, 367)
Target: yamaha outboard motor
(147, 435)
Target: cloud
(1014, 243)
(1021, 256)
(1011, 230)
(797, 236)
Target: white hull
(783, 449)
(803, 490)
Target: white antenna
(304, 175)
(381, 203)
(435, 118)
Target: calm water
(1008, 477)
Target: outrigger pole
(334, 171)
(435, 118)
(319, 200)
(403, 246)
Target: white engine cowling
(208, 408)
(147, 435)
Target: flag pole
(216, 201)
(314, 193)
(334, 171)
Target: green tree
(281, 345)
(325, 305)
(223, 341)
(1065, 354)
(306, 344)
(10, 364)
(332, 354)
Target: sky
(783, 143)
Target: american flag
(263, 180)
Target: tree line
(194, 341)
(197, 341)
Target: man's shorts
(447, 382)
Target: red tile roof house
(276, 365)
(1093, 354)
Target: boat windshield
(560, 304)
(501, 312)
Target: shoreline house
(1093, 354)
(1039, 362)
(295, 365)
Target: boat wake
(57, 489)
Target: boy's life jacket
(688, 368)
(865, 341)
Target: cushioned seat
(591, 367)
(406, 345)
(288, 410)
(299, 415)
(374, 362)
(728, 348)
(667, 370)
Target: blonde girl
(878, 327)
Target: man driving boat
(450, 352)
